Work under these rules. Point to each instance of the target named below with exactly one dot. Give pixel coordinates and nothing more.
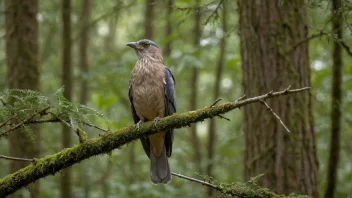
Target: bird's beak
(132, 44)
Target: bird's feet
(138, 125)
(156, 120)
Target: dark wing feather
(144, 139)
(170, 107)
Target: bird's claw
(138, 125)
(156, 120)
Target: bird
(152, 96)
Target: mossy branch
(109, 141)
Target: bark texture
(218, 74)
(66, 178)
(197, 155)
(288, 160)
(22, 57)
(336, 100)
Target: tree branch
(109, 141)
(16, 158)
(241, 190)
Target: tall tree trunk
(66, 178)
(288, 160)
(83, 50)
(149, 18)
(22, 56)
(197, 156)
(168, 28)
(218, 74)
(336, 100)
(84, 67)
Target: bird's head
(146, 49)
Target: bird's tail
(159, 168)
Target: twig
(222, 117)
(16, 158)
(347, 48)
(216, 102)
(6, 121)
(277, 117)
(95, 126)
(214, 12)
(23, 122)
(196, 180)
(51, 120)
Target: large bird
(152, 96)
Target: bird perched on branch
(152, 96)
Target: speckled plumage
(152, 96)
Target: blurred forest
(215, 49)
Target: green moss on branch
(109, 141)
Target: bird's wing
(144, 139)
(170, 107)
(134, 114)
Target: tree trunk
(84, 67)
(22, 56)
(149, 17)
(197, 156)
(288, 160)
(66, 178)
(83, 48)
(218, 73)
(168, 28)
(336, 100)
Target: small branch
(214, 12)
(6, 121)
(196, 180)
(16, 158)
(216, 102)
(53, 120)
(277, 117)
(347, 48)
(23, 122)
(95, 126)
(225, 118)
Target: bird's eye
(146, 44)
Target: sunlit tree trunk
(267, 33)
(84, 67)
(197, 158)
(66, 178)
(218, 74)
(336, 99)
(22, 55)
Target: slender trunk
(110, 38)
(218, 73)
(84, 67)
(66, 178)
(22, 56)
(288, 160)
(149, 18)
(83, 50)
(336, 100)
(197, 157)
(168, 28)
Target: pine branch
(109, 141)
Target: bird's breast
(148, 90)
